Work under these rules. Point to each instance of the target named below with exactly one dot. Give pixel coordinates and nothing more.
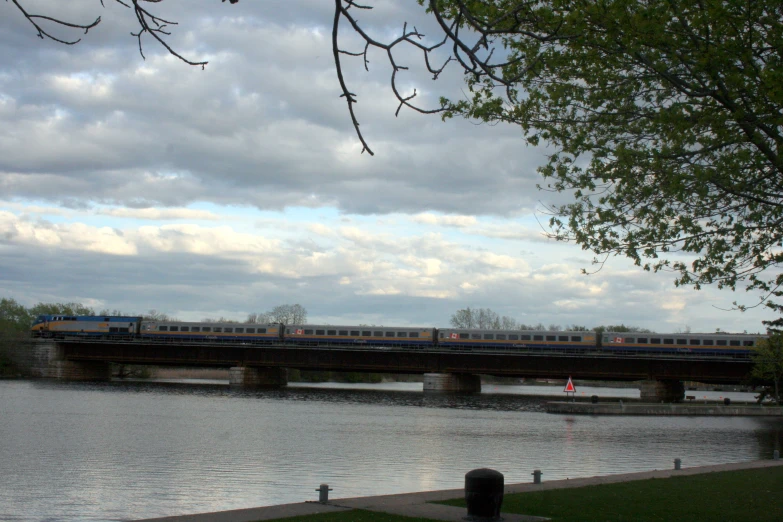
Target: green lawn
(732, 496)
(735, 496)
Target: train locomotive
(119, 328)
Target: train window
(641, 340)
(263, 330)
(331, 332)
(402, 334)
(668, 341)
(239, 330)
(734, 343)
(655, 340)
(475, 336)
(576, 338)
(355, 333)
(489, 336)
(523, 337)
(747, 343)
(195, 329)
(308, 331)
(695, 342)
(551, 337)
(228, 330)
(464, 336)
(389, 334)
(343, 332)
(413, 334)
(112, 329)
(217, 329)
(708, 342)
(562, 337)
(628, 340)
(174, 329)
(721, 342)
(538, 337)
(320, 332)
(366, 333)
(206, 328)
(163, 328)
(377, 334)
(186, 328)
(514, 337)
(682, 341)
(500, 337)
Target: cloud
(146, 183)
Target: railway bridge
(661, 376)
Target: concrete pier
(249, 377)
(662, 391)
(452, 383)
(640, 408)
(46, 360)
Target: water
(130, 450)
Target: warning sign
(569, 387)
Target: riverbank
(423, 504)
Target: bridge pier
(452, 383)
(662, 391)
(248, 377)
(47, 360)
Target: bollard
(483, 494)
(776, 455)
(323, 493)
(536, 476)
(594, 399)
(726, 401)
(677, 463)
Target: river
(131, 450)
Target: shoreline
(420, 504)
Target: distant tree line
(488, 319)
(15, 319)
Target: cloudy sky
(138, 184)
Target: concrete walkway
(419, 504)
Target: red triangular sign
(569, 386)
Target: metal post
(536, 476)
(323, 493)
(776, 455)
(677, 463)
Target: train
(122, 328)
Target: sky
(139, 184)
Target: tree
(768, 364)
(665, 120)
(621, 328)
(288, 314)
(61, 309)
(15, 320)
(481, 318)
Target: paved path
(418, 504)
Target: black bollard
(484, 494)
(594, 399)
(726, 401)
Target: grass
(733, 496)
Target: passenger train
(117, 328)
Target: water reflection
(120, 450)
